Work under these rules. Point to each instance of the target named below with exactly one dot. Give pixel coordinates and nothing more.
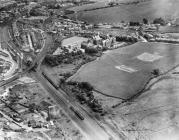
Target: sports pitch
(124, 71)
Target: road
(6, 39)
(89, 127)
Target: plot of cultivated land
(104, 75)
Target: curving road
(5, 39)
(89, 127)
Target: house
(97, 39)
(25, 45)
(53, 111)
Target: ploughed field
(124, 71)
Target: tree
(145, 21)
(134, 23)
(156, 72)
(81, 97)
(91, 50)
(85, 85)
(104, 48)
(62, 81)
(160, 21)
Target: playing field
(124, 71)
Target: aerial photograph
(89, 70)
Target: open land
(104, 76)
(152, 116)
(169, 29)
(149, 10)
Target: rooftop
(73, 40)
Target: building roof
(37, 18)
(73, 40)
(4, 3)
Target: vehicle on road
(51, 82)
(77, 113)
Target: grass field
(135, 12)
(152, 116)
(106, 74)
(169, 29)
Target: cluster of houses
(75, 43)
(15, 29)
(100, 42)
(4, 16)
(27, 38)
(67, 27)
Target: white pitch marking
(125, 68)
(148, 57)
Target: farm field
(124, 71)
(134, 12)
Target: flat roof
(73, 40)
